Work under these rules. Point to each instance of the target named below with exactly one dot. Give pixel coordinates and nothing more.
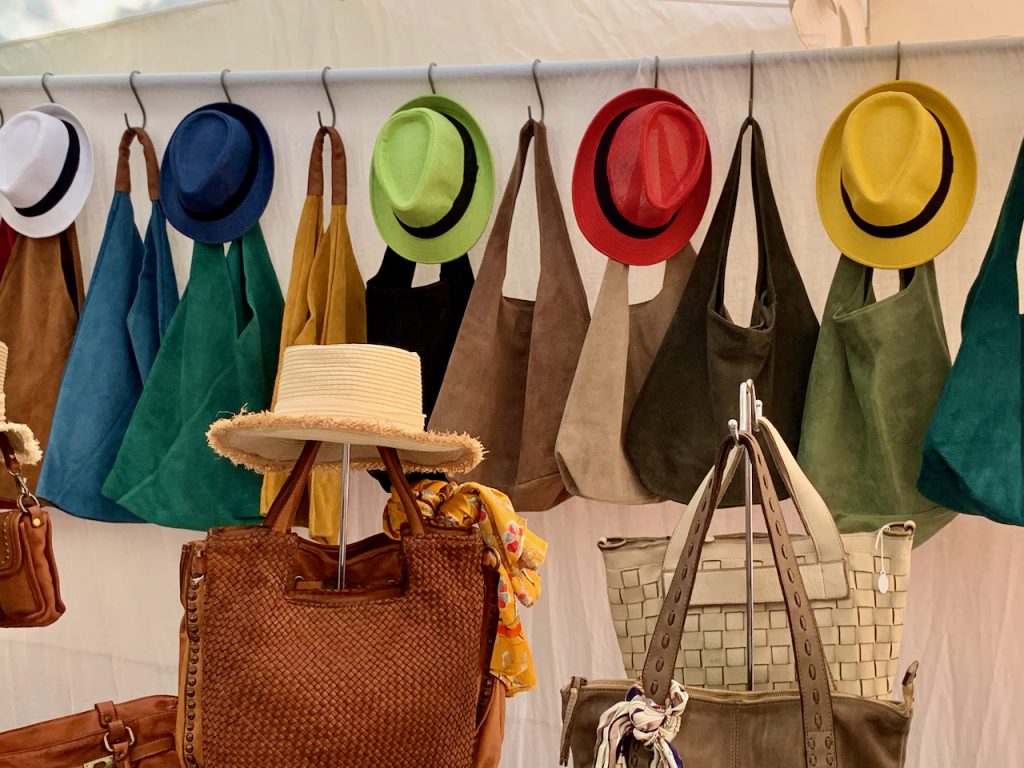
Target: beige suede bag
(617, 354)
(857, 584)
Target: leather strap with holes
(339, 167)
(813, 678)
(123, 178)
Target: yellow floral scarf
(519, 553)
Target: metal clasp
(103, 762)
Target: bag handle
(813, 677)
(339, 167)
(813, 511)
(766, 215)
(123, 177)
(282, 513)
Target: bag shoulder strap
(339, 167)
(122, 179)
(812, 671)
(813, 511)
(999, 268)
(491, 275)
(282, 513)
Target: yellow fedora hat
(896, 176)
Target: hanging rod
(443, 75)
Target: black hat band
(462, 200)
(63, 183)
(604, 193)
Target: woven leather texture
(339, 683)
(861, 634)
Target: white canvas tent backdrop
(119, 637)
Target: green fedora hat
(431, 180)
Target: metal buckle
(110, 749)
(103, 762)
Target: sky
(27, 18)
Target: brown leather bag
(810, 727)
(29, 585)
(277, 668)
(136, 734)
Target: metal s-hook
(334, 114)
(899, 57)
(657, 69)
(540, 96)
(224, 85)
(750, 99)
(46, 88)
(135, 91)
(430, 76)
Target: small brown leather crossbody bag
(136, 734)
(29, 585)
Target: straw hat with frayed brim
(431, 180)
(896, 176)
(361, 394)
(26, 447)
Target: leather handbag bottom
(135, 734)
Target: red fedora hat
(642, 177)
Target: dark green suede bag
(877, 375)
(972, 454)
(692, 388)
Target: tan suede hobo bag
(514, 360)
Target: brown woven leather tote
(813, 726)
(29, 585)
(136, 734)
(278, 668)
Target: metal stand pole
(750, 412)
(346, 458)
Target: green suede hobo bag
(877, 375)
(692, 388)
(972, 454)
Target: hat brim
(240, 219)
(268, 442)
(596, 227)
(935, 236)
(64, 213)
(26, 447)
(467, 231)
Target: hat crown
(362, 382)
(655, 161)
(212, 156)
(419, 160)
(33, 147)
(892, 163)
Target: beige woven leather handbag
(857, 584)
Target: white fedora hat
(365, 395)
(24, 443)
(46, 169)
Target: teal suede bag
(219, 355)
(972, 454)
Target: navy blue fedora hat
(217, 173)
